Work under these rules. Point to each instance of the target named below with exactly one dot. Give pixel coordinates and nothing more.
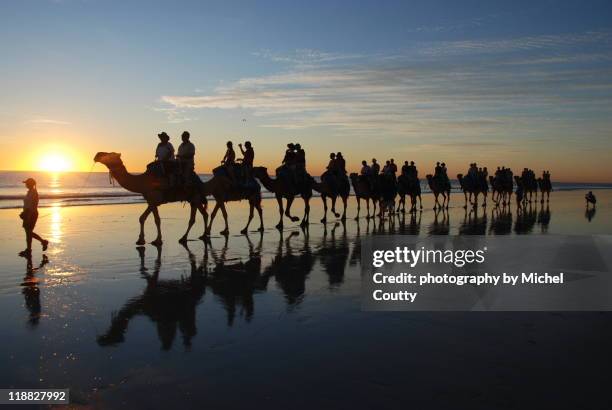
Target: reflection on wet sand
(235, 283)
(501, 221)
(473, 223)
(172, 303)
(589, 214)
(169, 303)
(441, 223)
(31, 291)
(334, 254)
(290, 268)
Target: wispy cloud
(49, 121)
(428, 89)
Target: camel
(364, 190)
(326, 191)
(503, 189)
(156, 192)
(281, 189)
(545, 188)
(223, 190)
(411, 186)
(473, 188)
(438, 188)
(387, 185)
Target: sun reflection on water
(56, 224)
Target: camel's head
(108, 158)
(459, 177)
(353, 175)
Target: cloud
(49, 121)
(443, 89)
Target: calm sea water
(95, 188)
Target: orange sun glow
(54, 162)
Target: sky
(520, 84)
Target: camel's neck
(267, 182)
(133, 183)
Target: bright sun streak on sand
(54, 163)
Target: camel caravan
(172, 178)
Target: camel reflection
(334, 254)
(440, 224)
(31, 291)
(526, 218)
(236, 283)
(169, 303)
(544, 218)
(472, 223)
(501, 221)
(413, 227)
(291, 267)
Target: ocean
(95, 188)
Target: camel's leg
(158, 240)
(288, 209)
(466, 199)
(436, 203)
(306, 218)
(447, 199)
(333, 208)
(212, 216)
(344, 201)
(279, 199)
(202, 210)
(260, 212)
(192, 214)
(367, 208)
(358, 206)
(142, 220)
(324, 198)
(246, 228)
(224, 213)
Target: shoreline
(137, 198)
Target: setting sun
(54, 163)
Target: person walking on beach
(29, 215)
(590, 199)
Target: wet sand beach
(275, 320)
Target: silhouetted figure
(30, 291)
(375, 167)
(590, 199)
(164, 150)
(229, 160)
(248, 157)
(29, 215)
(185, 157)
